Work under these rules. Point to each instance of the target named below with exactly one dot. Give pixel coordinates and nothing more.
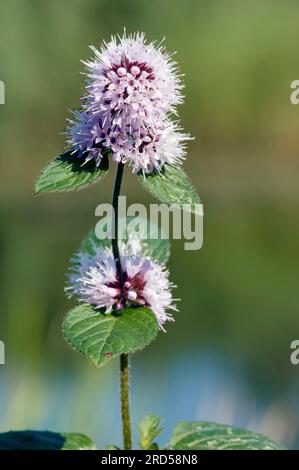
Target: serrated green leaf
(211, 436)
(156, 248)
(100, 337)
(66, 173)
(149, 429)
(44, 440)
(171, 186)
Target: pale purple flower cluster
(94, 280)
(132, 90)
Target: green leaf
(171, 186)
(101, 336)
(44, 440)
(156, 248)
(149, 429)
(153, 446)
(66, 173)
(112, 447)
(211, 436)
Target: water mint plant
(128, 117)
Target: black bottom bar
(134, 459)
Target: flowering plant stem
(125, 400)
(124, 358)
(115, 248)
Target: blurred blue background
(226, 358)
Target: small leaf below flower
(100, 336)
(66, 173)
(171, 186)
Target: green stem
(125, 400)
(116, 192)
(124, 358)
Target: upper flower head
(94, 280)
(132, 81)
(132, 88)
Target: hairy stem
(124, 358)
(125, 400)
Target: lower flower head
(94, 280)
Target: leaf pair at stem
(66, 173)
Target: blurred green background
(227, 357)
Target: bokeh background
(227, 357)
